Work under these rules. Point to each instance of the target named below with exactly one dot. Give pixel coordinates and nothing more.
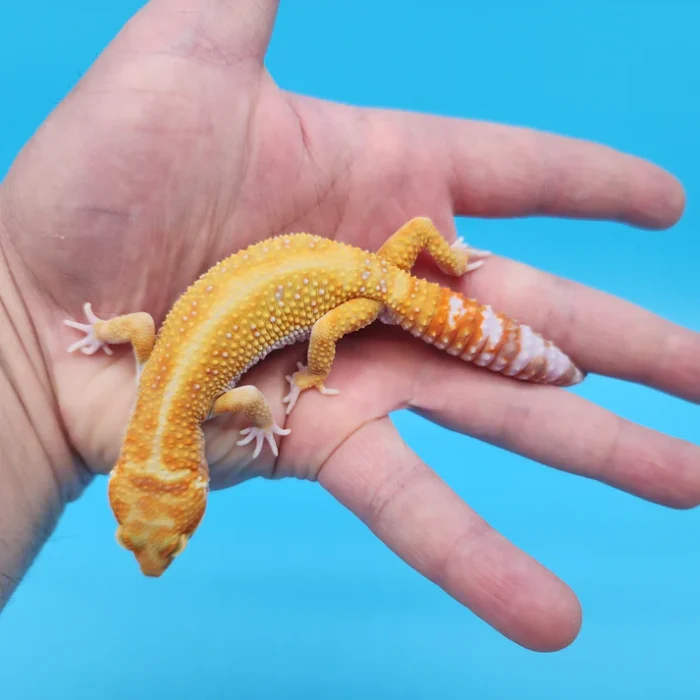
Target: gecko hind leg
(418, 234)
(325, 333)
(137, 329)
(252, 404)
(300, 380)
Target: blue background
(286, 594)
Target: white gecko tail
(475, 333)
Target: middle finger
(602, 333)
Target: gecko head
(154, 548)
(156, 517)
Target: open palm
(178, 149)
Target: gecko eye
(121, 539)
(180, 545)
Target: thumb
(220, 32)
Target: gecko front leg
(137, 328)
(252, 404)
(325, 333)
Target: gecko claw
(475, 256)
(260, 435)
(291, 398)
(89, 344)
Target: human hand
(178, 148)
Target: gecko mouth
(153, 559)
(152, 564)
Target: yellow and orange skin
(254, 301)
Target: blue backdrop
(287, 595)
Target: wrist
(35, 458)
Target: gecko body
(277, 292)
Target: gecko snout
(155, 551)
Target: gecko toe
(262, 435)
(90, 343)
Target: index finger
(504, 171)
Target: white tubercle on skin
(455, 311)
(499, 363)
(483, 359)
(297, 336)
(387, 317)
(472, 351)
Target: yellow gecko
(274, 293)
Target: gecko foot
(89, 344)
(473, 254)
(260, 435)
(301, 380)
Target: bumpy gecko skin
(275, 293)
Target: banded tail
(475, 333)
